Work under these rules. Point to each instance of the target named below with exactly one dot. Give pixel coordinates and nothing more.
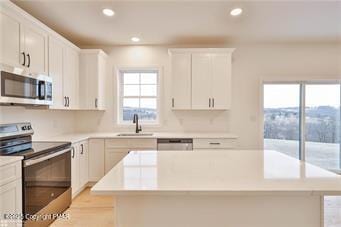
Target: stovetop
(32, 149)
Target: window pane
(148, 109)
(131, 90)
(131, 78)
(281, 118)
(148, 78)
(322, 125)
(149, 103)
(130, 107)
(131, 103)
(148, 90)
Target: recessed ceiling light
(236, 12)
(108, 12)
(135, 39)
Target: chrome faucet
(136, 122)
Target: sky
(288, 95)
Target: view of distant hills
(322, 124)
(144, 113)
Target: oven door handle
(33, 161)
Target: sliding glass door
(322, 125)
(282, 118)
(303, 120)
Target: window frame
(120, 71)
(302, 117)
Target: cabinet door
(56, 72)
(10, 200)
(75, 181)
(70, 77)
(102, 70)
(181, 80)
(201, 81)
(221, 81)
(34, 42)
(114, 156)
(89, 81)
(9, 41)
(96, 159)
(84, 163)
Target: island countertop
(216, 172)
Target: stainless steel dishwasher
(174, 144)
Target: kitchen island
(220, 188)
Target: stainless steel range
(46, 172)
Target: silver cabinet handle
(82, 148)
(96, 102)
(213, 102)
(209, 102)
(173, 102)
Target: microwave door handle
(41, 90)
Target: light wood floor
(89, 210)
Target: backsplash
(44, 122)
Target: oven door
(45, 178)
(19, 89)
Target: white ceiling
(189, 22)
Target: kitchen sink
(135, 134)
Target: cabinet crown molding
(93, 51)
(200, 50)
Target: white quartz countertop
(77, 137)
(5, 160)
(231, 172)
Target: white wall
(251, 63)
(45, 123)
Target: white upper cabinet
(63, 68)
(71, 77)
(92, 79)
(34, 48)
(201, 81)
(181, 80)
(23, 43)
(203, 77)
(9, 40)
(56, 72)
(221, 81)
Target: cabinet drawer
(214, 143)
(10, 172)
(130, 143)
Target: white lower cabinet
(96, 159)
(10, 192)
(75, 183)
(117, 149)
(79, 166)
(83, 163)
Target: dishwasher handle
(175, 140)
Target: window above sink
(138, 93)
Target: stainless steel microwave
(25, 89)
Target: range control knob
(24, 128)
